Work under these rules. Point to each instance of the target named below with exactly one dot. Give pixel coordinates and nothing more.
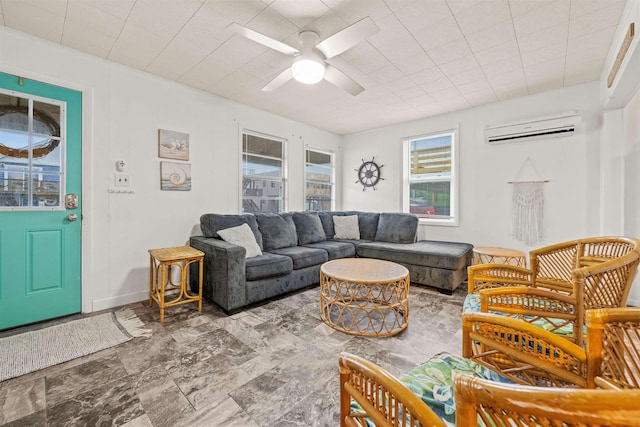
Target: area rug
(34, 350)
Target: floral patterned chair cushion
(432, 381)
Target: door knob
(72, 217)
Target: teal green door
(40, 220)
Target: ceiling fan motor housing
(308, 67)
(308, 40)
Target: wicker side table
(492, 255)
(160, 280)
(366, 297)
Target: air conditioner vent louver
(550, 127)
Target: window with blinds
(263, 173)
(319, 183)
(430, 167)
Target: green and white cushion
(432, 382)
(472, 305)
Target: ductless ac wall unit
(557, 126)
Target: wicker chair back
(505, 405)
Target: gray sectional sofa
(295, 244)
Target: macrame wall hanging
(527, 206)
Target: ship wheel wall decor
(369, 174)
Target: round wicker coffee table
(366, 297)
(492, 255)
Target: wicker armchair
(382, 398)
(613, 348)
(386, 402)
(502, 405)
(564, 281)
(521, 352)
(509, 347)
(528, 355)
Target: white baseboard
(103, 304)
(633, 302)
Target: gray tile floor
(272, 365)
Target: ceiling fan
(309, 62)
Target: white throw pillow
(346, 227)
(242, 236)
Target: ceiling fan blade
(279, 80)
(264, 40)
(348, 38)
(340, 79)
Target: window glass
(262, 174)
(31, 152)
(431, 176)
(319, 185)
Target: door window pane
(31, 152)
(14, 189)
(14, 113)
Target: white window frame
(454, 215)
(283, 178)
(331, 154)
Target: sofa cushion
(210, 224)
(346, 227)
(326, 218)
(368, 223)
(335, 249)
(397, 228)
(303, 256)
(278, 230)
(308, 227)
(428, 253)
(242, 236)
(267, 265)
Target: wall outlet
(122, 180)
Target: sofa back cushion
(308, 227)
(397, 228)
(368, 222)
(278, 230)
(211, 223)
(326, 218)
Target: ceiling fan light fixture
(307, 71)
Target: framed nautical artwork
(173, 145)
(175, 176)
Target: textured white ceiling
(430, 57)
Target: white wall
(570, 164)
(621, 139)
(631, 168)
(123, 110)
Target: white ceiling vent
(556, 126)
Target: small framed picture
(173, 145)
(175, 176)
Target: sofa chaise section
(441, 265)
